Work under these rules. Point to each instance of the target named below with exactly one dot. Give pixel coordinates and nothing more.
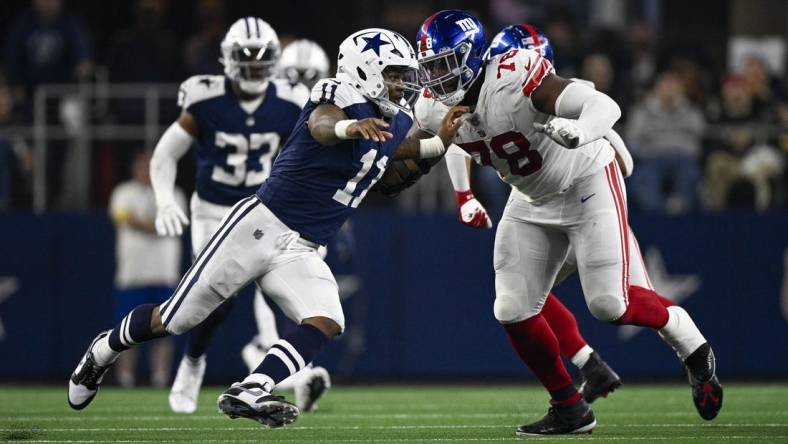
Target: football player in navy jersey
(235, 123)
(352, 127)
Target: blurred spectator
(665, 132)
(147, 51)
(148, 266)
(46, 46)
(202, 49)
(565, 47)
(762, 88)
(16, 160)
(643, 40)
(742, 167)
(598, 68)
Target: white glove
(564, 131)
(470, 211)
(170, 219)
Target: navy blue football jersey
(234, 148)
(314, 188)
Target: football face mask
(402, 85)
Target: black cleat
(599, 379)
(562, 420)
(701, 369)
(85, 381)
(250, 400)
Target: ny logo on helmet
(467, 24)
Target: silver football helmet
(303, 61)
(250, 51)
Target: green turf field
(453, 414)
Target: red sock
(537, 346)
(645, 309)
(564, 325)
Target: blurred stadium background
(85, 84)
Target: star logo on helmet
(374, 43)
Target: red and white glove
(470, 212)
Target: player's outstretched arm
(470, 211)
(585, 114)
(174, 143)
(421, 146)
(329, 125)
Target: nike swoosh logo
(584, 199)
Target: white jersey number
(262, 145)
(345, 195)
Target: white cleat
(186, 387)
(250, 400)
(311, 387)
(86, 379)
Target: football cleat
(311, 387)
(250, 400)
(186, 387)
(562, 420)
(84, 382)
(701, 369)
(599, 379)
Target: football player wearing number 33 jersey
(349, 131)
(544, 136)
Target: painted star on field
(374, 43)
(675, 287)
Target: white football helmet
(303, 61)
(250, 51)
(363, 58)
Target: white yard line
(371, 427)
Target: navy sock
(200, 336)
(133, 329)
(292, 352)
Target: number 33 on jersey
(236, 147)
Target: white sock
(681, 333)
(295, 379)
(103, 353)
(264, 380)
(581, 357)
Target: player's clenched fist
(451, 123)
(471, 212)
(369, 129)
(564, 131)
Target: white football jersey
(500, 132)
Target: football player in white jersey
(303, 61)
(235, 123)
(544, 136)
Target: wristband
(463, 196)
(340, 128)
(432, 147)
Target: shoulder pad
(337, 92)
(520, 69)
(198, 88)
(298, 94)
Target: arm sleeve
(174, 143)
(595, 112)
(621, 151)
(457, 165)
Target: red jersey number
(511, 146)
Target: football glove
(470, 211)
(170, 219)
(564, 131)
